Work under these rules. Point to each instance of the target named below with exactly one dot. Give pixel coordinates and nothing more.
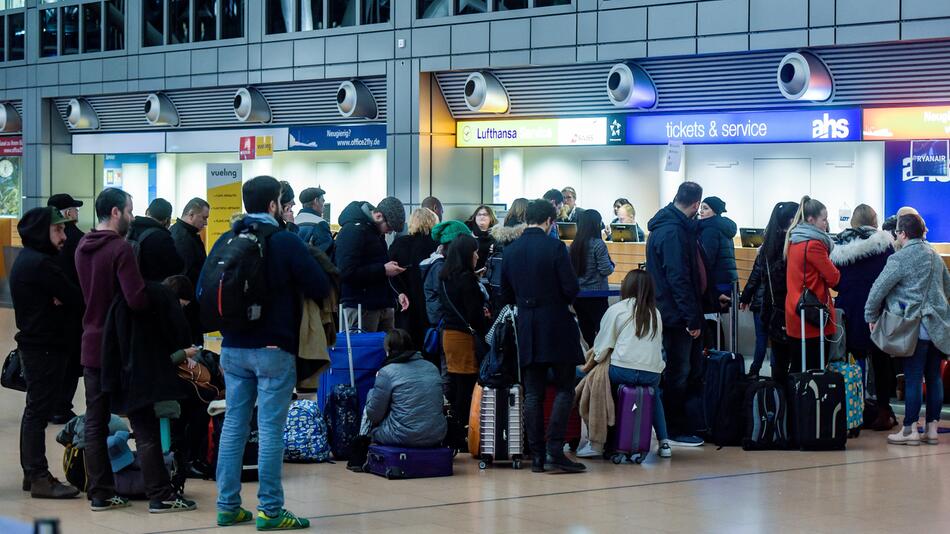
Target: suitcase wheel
(617, 459)
(483, 464)
(516, 464)
(639, 459)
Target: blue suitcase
(368, 358)
(402, 462)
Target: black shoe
(48, 487)
(112, 503)
(62, 418)
(176, 503)
(537, 465)
(565, 464)
(27, 484)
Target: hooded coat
(37, 282)
(191, 249)
(405, 405)
(158, 256)
(716, 236)
(860, 254)
(361, 256)
(674, 261)
(410, 251)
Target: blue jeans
(266, 376)
(761, 343)
(925, 363)
(633, 377)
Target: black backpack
(766, 417)
(137, 243)
(233, 284)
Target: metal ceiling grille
(198, 109)
(899, 73)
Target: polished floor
(871, 488)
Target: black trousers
(782, 357)
(461, 388)
(190, 431)
(682, 377)
(43, 371)
(589, 313)
(148, 445)
(70, 383)
(535, 385)
(884, 376)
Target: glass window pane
(48, 33)
(468, 7)
(153, 23)
(70, 16)
(505, 5)
(432, 8)
(279, 13)
(205, 20)
(232, 19)
(311, 15)
(341, 13)
(3, 40)
(548, 3)
(115, 24)
(17, 35)
(177, 21)
(375, 11)
(92, 27)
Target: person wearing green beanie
(444, 233)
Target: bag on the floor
(722, 383)
(343, 419)
(249, 461)
(130, 480)
(854, 390)
(634, 429)
(12, 375)
(74, 466)
(500, 425)
(306, 438)
(354, 361)
(402, 462)
(766, 415)
(499, 367)
(728, 429)
(572, 432)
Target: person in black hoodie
(410, 251)
(43, 298)
(158, 258)
(186, 233)
(365, 267)
(674, 260)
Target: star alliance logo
(614, 128)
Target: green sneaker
(284, 521)
(227, 519)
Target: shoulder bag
(481, 346)
(776, 319)
(897, 335)
(12, 376)
(814, 309)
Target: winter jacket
(595, 403)
(716, 236)
(405, 405)
(808, 265)
(599, 266)
(914, 281)
(860, 254)
(485, 243)
(106, 266)
(314, 230)
(674, 262)
(410, 251)
(137, 346)
(504, 235)
(537, 276)
(291, 273)
(618, 338)
(158, 257)
(36, 283)
(361, 256)
(432, 286)
(469, 300)
(755, 286)
(67, 257)
(191, 249)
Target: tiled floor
(870, 488)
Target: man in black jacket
(158, 258)
(674, 260)
(69, 208)
(43, 298)
(186, 233)
(363, 260)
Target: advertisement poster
(350, 137)
(10, 174)
(912, 178)
(224, 196)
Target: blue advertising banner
(928, 194)
(812, 125)
(928, 158)
(350, 137)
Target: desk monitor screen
(567, 231)
(752, 237)
(624, 233)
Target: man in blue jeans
(259, 365)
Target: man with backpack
(153, 244)
(250, 289)
(314, 230)
(107, 267)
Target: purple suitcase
(403, 462)
(634, 429)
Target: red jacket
(820, 276)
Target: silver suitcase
(501, 426)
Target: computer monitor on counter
(567, 231)
(752, 237)
(624, 233)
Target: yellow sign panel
(224, 196)
(532, 132)
(265, 146)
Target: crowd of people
(121, 306)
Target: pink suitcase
(634, 430)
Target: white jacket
(618, 332)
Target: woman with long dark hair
(481, 223)
(592, 264)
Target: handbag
(12, 374)
(481, 346)
(200, 378)
(432, 342)
(814, 308)
(897, 335)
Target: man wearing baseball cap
(68, 207)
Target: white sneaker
(665, 451)
(908, 435)
(930, 438)
(586, 451)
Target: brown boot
(886, 420)
(47, 487)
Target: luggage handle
(733, 321)
(514, 323)
(821, 344)
(349, 346)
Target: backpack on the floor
(249, 462)
(306, 438)
(766, 415)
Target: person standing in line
(570, 212)
(716, 235)
(410, 251)
(186, 232)
(107, 268)
(480, 223)
(538, 278)
(68, 207)
(674, 260)
(314, 229)
(556, 199)
(435, 205)
(593, 265)
(157, 255)
(287, 203)
(43, 299)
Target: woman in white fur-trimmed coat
(861, 253)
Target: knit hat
(394, 213)
(716, 204)
(445, 232)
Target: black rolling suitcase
(817, 404)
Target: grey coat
(599, 267)
(405, 405)
(902, 286)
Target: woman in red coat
(807, 250)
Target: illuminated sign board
(931, 122)
(798, 126)
(532, 132)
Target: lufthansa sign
(532, 132)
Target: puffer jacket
(716, 235)
(405, 405)
(598, 267)
(915, 280)
(361, 256)
(860, 254)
